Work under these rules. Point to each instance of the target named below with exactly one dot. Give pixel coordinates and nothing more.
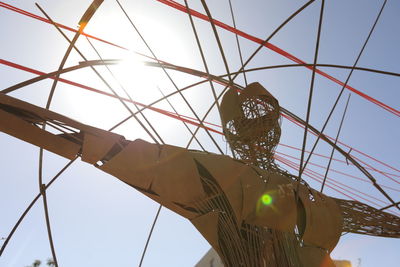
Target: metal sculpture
(249, 210)
(249, 215)
(251, 123)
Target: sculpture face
(251, 124)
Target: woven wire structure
(254, 131)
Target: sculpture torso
(225, 200)
(249, 215)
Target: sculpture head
(251, 124)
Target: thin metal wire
(336, 139)
(237, 41)
(391, 206)
(191, 71)
(169, 76)
(319, 65)
(102, 78)
(273, 34)
(344, 153)
(42, 187)
(244, 72)
(157, 101)
(149, 236)
(221, 50)
(133, 114)
(130, 98)
(202, 53)
(321, 15)
(344, 85)
(49, 75)
(206, 114)
(256, 51)
(184, 123)
(177, 89)
(21, 218)
(214, 78)
(204, 63)
(339, 172)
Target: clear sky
(99, 221)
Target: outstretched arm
(175, 177)
(165, 173)
(189, 182)
(359, 218)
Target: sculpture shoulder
(224, 169)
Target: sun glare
(134, 76)
(131, 78)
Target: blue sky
(98, 220)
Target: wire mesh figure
(251, 123)
(246, 213)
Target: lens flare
(266, 199)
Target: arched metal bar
(42, 187)
(50, 75)
(168, 76)
(321, 65)
(321, 135)
(104, 80)
(390, 206)
(189, 71)
(344, 153)
(218, 79)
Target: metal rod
(336, 139)
(21, 218)
(167, 74)
(321, 15)
(237, 41)
(345, 84)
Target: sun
(138, 80)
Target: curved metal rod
(82, 24)
(21, 218)
(177, 68)
(322, 136)
(344, 153)
(86, 64)
(150, 234)
(237, 40)
(203, 58)
(288, 19)
(390, 206)
(310, 96)
(171, 66)
(221, 50)
(50, 75)
(218, 79)
(157, 101)
(321, 65)
(89, 64)
(168, 76)
(103, 80)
